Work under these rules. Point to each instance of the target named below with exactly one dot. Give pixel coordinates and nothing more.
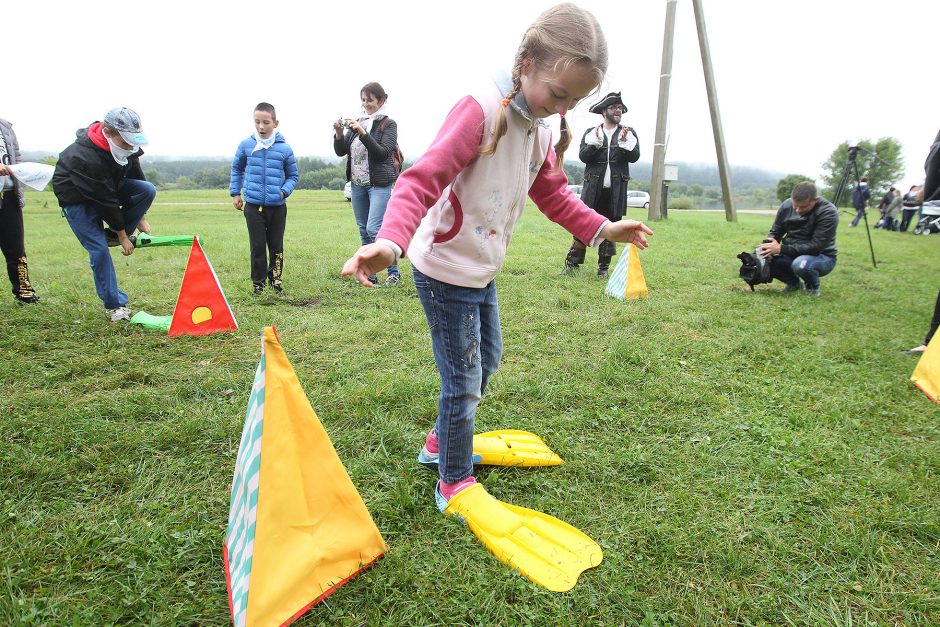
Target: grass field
(742, 458)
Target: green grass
(742, 458)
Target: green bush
(682, 202)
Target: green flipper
(543, 549)
(148, 321)
(148, 240)
(513, 448)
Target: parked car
(347, 191)
(637, 198)
(576, 190)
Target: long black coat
(595, 159)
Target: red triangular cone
(201, 308)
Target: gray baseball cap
(127, 123)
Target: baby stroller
(930, 218)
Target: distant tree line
(315, 173)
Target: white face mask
(262, 144)
(120, 154)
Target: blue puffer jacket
(260, 177)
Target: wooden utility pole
(659, 147)
(724, 171)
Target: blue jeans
(806, 267)
(135, 198)
(468, 345)
(368, 205)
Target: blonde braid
(502, 122)
(564, 140)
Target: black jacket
(811, 234)
(595, 160)
(932, 172)
(88, 175)
(861, 196)
(380, 144)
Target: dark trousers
(809, 268)
(266, 236)
(13, 245)
(859, 214)
(906, 216)
(607, 249)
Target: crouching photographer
(801, 244)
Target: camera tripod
(850, 164)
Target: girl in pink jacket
(453, 211)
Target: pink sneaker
(429, 454)
(444, 492)
(428, 457)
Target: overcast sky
(794, 79)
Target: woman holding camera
(369, 143)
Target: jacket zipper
(526, 152)
(264, 179)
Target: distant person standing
(892, 210)
(911, 205)
(369, 142)
(98, 179)
(264, 171)
(12, 201)
(861, 199)
(607, 151)
(883, 208)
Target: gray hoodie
(10, 153)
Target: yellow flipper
(513, 448)
(545, 550)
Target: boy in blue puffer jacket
(265, 172)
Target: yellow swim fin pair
(505, 448)
(545, 550)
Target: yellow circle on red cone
(201, 314)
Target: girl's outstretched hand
(368, 260)
(627, 231)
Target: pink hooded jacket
(460, 207)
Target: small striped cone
(627, 280)
(297, 529)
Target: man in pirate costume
(607, 151)
(12, 240)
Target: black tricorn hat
(609, 100)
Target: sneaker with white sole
(119, 313)
(392, 280)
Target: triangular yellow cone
(927, 373)
(298, 528)
(627, 279)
